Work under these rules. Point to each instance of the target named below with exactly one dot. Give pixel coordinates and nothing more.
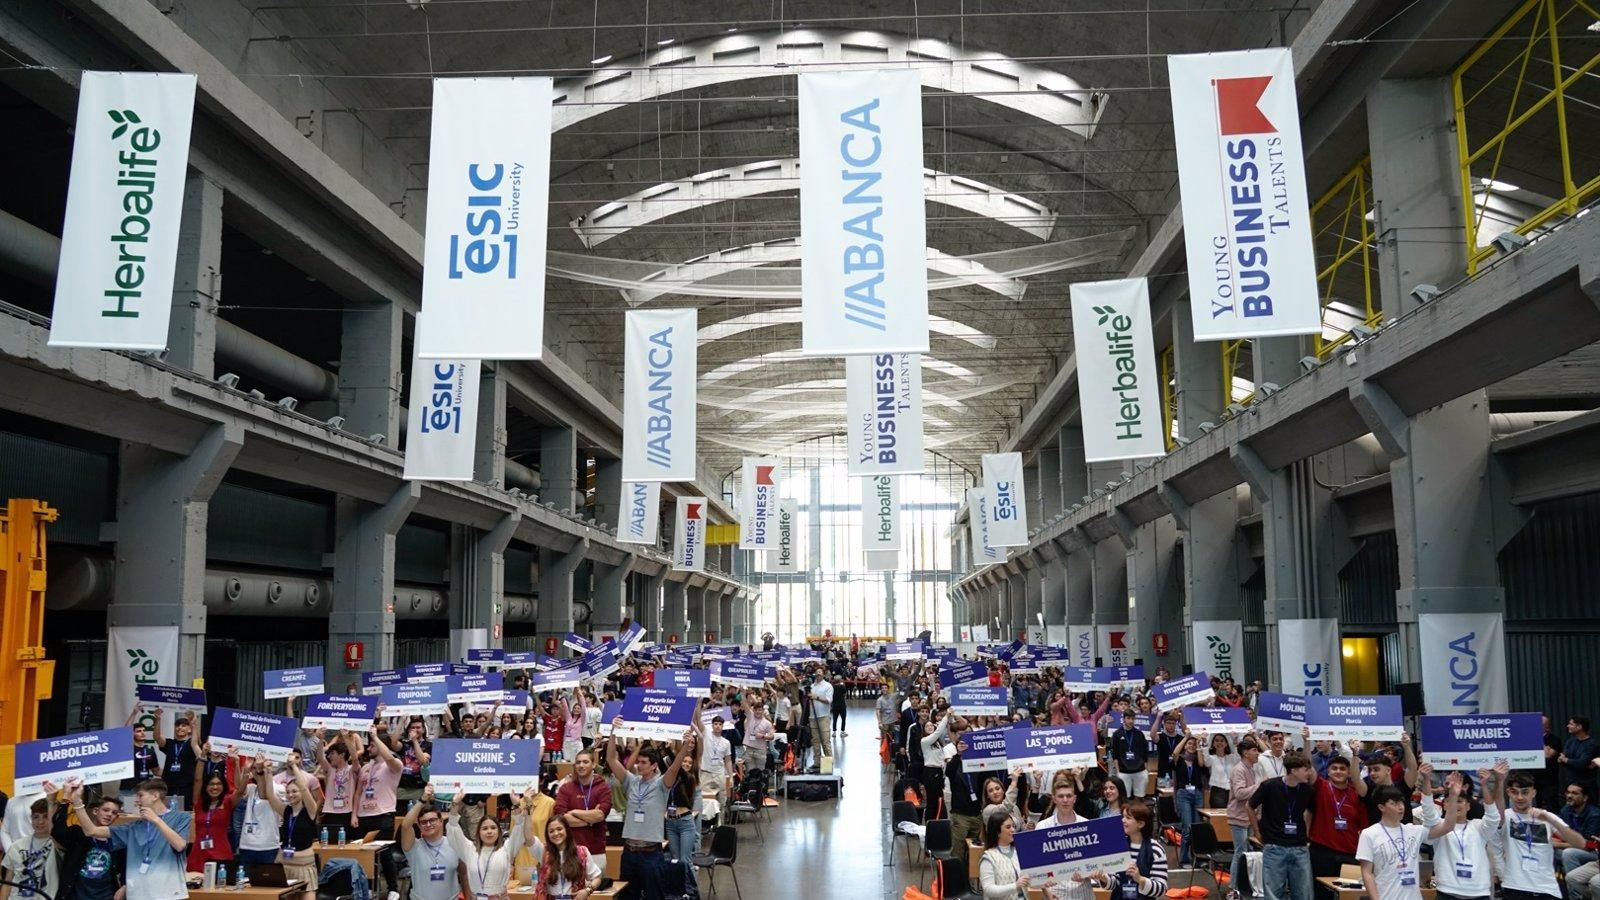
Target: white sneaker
(394, 895)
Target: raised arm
(406, 831)
(308, 795)
(612, 763)
(382, 751)
(685, 752)
(264, 786)
(1452, 784)
(138, 710)
(1411, 759)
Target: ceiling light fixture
(666, 42)
(600, 60)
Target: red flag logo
(1237, 109)
(1117, 642)
(764, 474)
(692, 511)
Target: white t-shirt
(1268, 766)
(821, 699)
(1220, 768)
(1461, 866)
(1527, 859)
(591, 722)
(261, 824)
(782, 713)
(714, 761)
(1394, 854)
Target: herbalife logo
(1221, 656)
(1129, 424)
(136, 180)
(146, 670)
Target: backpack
(810, 791)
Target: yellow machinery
(25, 675)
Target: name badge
(436, 872)
(1190, 788)
(1291, 827)
(144, 867)
(1340, 823)
(288, 853)
(1408, 876)
(205, 843)
(638, 816)
(1463, 870)
(249, 828)
(1130, 889)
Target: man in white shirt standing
(1461, 862)
(821, 704)
(1270, 764)
(1390, 851)
(716, 765)
(1527, 858)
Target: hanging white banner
(119, 243)
(759, 484)
(138, 655)
(1118, 385)
(1008, 513)
(1463, 663)
(1116, 644)
(785, 557)
(658, 399)
(1241, 172)
(1309, 661)
(488, 197)
(640, 515)
(883, 403)
(863, 231)
(1217, 648)
(1080, 645)
(442, 420)
(883, 560)
(880, 513)
(689, 535)
(983, 552)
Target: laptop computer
(270, 875)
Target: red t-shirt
(211, 827)
(554, 731)
(1330, 805)
(571, 795)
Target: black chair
(724, 852)
(903, 811)
(1204, 847)
(938, 843)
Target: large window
(833, 591)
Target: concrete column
(558, 468)
(1278, 359)
(1033, 603)
(363, 577)
(1110, 562)
(709, 623)
(814, 557)
(1077, 565)
(647, 607)
(1048, 485)
(1452, 515)
(607, 491)
(197, 281)
(556, 568)
(1032, 493)
(1017, 604)
(1157, 594)
(728, 634)
(1052, 583)
(489, 454)
(478, 585)
(163, 503)
(369, 369)
(675, 611)
(738, 615)
(610, 596)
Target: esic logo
(1005, 506)
(444, 400)
(488, 217)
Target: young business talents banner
(759, 483)
(484, 246)
(863, 231)
(883, 408)
(1008, 511)
(442, 420)
(119, 242)
(1118, 384)
(658, 398)
(689, 535)
(1241, 171)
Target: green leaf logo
(123, 118)
(135, 657)
(1105, 312)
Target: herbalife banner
(863, 235)
(1463, 663)
(1308, 656)
(135, 656)
(785, 557)
(1117, 379)
(658, 400)
(1217, 647)
(883, 403)
(1008, 514)
(883, 560)
(1241, 172)
(484, 245)
(983, 552)
(640, 513)
(442, 420)
(119, 244)
(689, 535)
(758, 508)
(880, 513)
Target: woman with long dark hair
(212, 815)
(1146, 872)
(489, 853)
(999, 873)
(683, 823)
(567, 869)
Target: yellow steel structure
(721, 535)
(1342, 235)
(1543, 21)
(1169, 398)
(25, 675)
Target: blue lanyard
(149, 841)
(1460, 833)
(1399, 846)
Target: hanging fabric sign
(1463, 663)
(484, 246)
(640, 512)
(785, 557)
(1118, 385)
(689, 535)
(758, 507)
(119, 243)
(863, 231)
(883, 560)
(1116, 644)
(983, 553)
(1241, 172)
(880, 513)
(883, 403)
(1308, 656)
(1218, 647)
(1008, 514)
(1080, 645)
(442, 420)
(658, 399)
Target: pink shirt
(378, 782)
(574, 730)
(340, 794)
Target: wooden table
(1345, 893)
(247, 893)
(616, 888)
(1219, 825)
(365, 853)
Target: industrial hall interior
(1013, 449)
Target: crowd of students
(1310, 808)
(149, 836)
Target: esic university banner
(883, 403)
(484, 245)
(658, 396)
(1241, 170)
(1118, 384)
(758, 503)
(119, 243)
(1008, 512)
(442, 420)
(863, 230)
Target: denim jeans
(1241, 845)
(683, 842)
(645, 873)
(1188, 804)
(1287, 872)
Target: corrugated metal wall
(1551, 575)
(236, 666)
(520, 563)
(421, 556)
(1368, 582)
(1253, 594)
(78, 483)
(260, 528)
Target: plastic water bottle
(323, 837)
(341, 835)
(244, 877)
